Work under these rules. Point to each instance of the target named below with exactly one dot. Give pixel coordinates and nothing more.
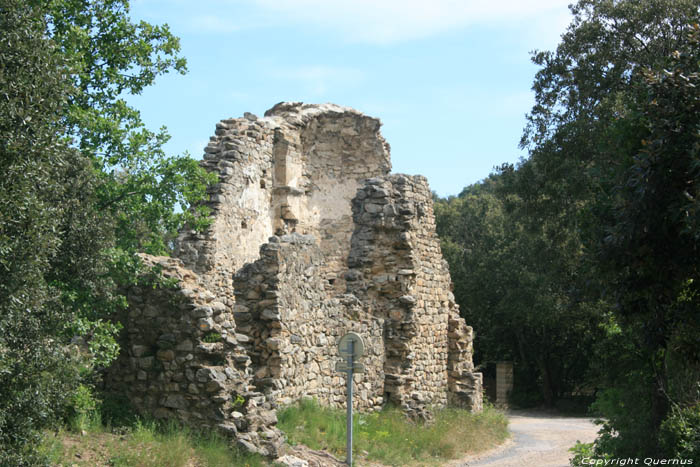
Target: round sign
(351, 344)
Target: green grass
(108, 434)
(144, 444)
(390, 438)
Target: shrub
(680, 433)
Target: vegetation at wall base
(143, 444)
(104, 430)
(389, 437)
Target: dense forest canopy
(581, 262)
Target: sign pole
(351, 347)
(351, 357)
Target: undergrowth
(390, 438)
(109, 434)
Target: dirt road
(539, 439)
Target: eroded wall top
(294, 170)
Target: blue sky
(450, 79)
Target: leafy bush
(680, 433)
(581, 451)
(36, 374)
(626, 426)
(84, 409)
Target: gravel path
(539, 439)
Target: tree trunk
(659, 398)
(547, 390)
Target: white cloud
(319, 79)
(388, 21)
(212, 24)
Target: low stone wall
(181, 359)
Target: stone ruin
(312, 237)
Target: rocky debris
(291, 461)
(311, 457)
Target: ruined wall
(398, 270)
(181, 359)
(241, 153)
(294, 329)
(297, 169)
(311, 238)
(340, 152)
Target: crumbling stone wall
(181, 359)
(282, 305)
(241, 153)
(311, 238)
(297, 170)
(340, 152)
(398, 270)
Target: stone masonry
(311, 238)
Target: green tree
(133, 202)
(650, 250)
(84, 185)
(38, 170)
(112, 57)
(613, 154)
(513, 282)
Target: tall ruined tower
(311, 238)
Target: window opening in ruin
(262, 183)
(244, 225)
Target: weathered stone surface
(175, 401)
(177, 373)
(292, 461)
(311, 238)
(138, 350)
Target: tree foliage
(37, 177)
(112, 57)
(614, 132)
(84, 185)
(650, 246)
(604, 217)
(514, 285)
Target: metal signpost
(351, 347)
